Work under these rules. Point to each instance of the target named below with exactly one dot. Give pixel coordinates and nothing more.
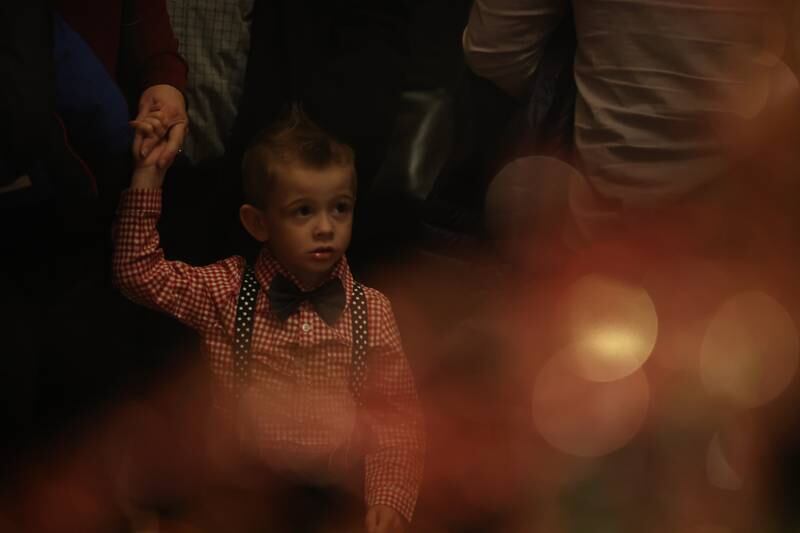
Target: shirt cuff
(398, 498)
(167, 69)
(140, 200)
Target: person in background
(63, 66)
(135, 42)
(249, 62)
(662, 90)
(214, 38)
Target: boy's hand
(384, 519)
(147, 173)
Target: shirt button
(306, 327)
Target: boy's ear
(252, 219)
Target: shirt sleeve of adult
(191, 294)
(152, 47)
(504, 39)
(395, 452)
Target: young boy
(283, 336)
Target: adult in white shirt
(662, 87)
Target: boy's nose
(323, 228)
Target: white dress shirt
(662, 84)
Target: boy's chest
(303, 347)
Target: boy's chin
(322, 266)
(317, 270)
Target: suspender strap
(245, 310)
(358, 315)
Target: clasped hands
(161, 126)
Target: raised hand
(148, 173)
(162, 115)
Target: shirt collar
(267, 267)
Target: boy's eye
(343, 207)
(303, 211)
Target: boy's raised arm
(139, 268)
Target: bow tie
(328, 300)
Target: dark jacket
(34, 140)
(343, 60)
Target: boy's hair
(293, 140)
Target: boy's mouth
(322, 253)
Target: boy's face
(309, 219)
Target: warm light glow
(618, 345)
(587, 418)
(720, 472)
(685, 290)
(750, 350)
(708, 528)
(612, 325)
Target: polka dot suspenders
(245, 310)
(358, 317)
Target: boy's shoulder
(372, 294)
(233, 265)
(378, 303)
(228, 272)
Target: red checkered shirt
(299, 398)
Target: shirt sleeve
(141, 272)
(153, 48)
(395, 450)
(504, 39)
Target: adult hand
(162, 114)
(384, 519)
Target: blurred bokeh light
(686, 292)
(587, 418)
(612, 325)
(721, 473)
(749, 353)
